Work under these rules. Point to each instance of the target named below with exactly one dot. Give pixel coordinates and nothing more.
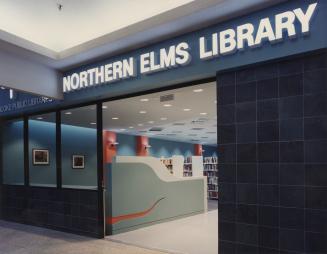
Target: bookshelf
(211, 171)
(187, 170)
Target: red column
(198, 150)
(110, 148)
(142, 144)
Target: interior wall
(79, 141)
(13, 152)
(159, 147)
(272, 136)
(42, 135)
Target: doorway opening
(160, 169)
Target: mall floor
(191, 235)
(23, 239)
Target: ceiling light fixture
(68, 113)
(93, 123)
(39, 118)
(167, 105)
(144, 100)
(163, 118)
(151, 122)
(115, 118)
(142, 112)
(131, 127)
(203, 114)
(104, 107)
(187, 109)
(122, 129)
(140, 124)
(198, 90)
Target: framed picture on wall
(78, 161)
(41, 157)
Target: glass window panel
(13, 152)
(79, 148)
(42, 150)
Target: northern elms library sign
(288, 24)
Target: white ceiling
(136, 117)
(79, 21)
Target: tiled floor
(22, 239)
(191, 235)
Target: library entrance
(160, 168)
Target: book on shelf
(210, 166)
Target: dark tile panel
(245, 75)
(289, 67)
(268, 195)
(315, 128)
(291, 85)
(316, 174)
(227, 173)
(316, 197)
(315, 151)
(247, 152)
(226, 114)
(246, 112)
(268, 173)
(292, 174)
(292, 196)
(291, 107)
(268, 216)
(315, 81)
(246, 193)
(267, 110)
(315, 243)
(315, 104)
(292, 218)
(269, 237)
(226, 247)
(246, 92)
(268, 131)
(316, 220)
(316, 61)
(247, 234)
(291, 240)
(247, 173)
(246, 133)
(267, 89)
(266, 71)
(291, 129)
(226, 134)
(247, 214)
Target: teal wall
(159, 147)
(127, 145)
(13, 153)
(79, 141)
(42, 135)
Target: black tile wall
(273, 157)
(73, 211)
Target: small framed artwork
(78, 161)
(41, 157)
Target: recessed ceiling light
(93, 123)
(167, 105)
(198, 90)
(163, 118)
(122, 129)
(187, 109)
(131, 127)
(39, 118)
(144, 100)
(104, 107)
(142, 112)
(140, 124)
(203, 114)
(151, 122)
(68, 113)
(115, 118)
